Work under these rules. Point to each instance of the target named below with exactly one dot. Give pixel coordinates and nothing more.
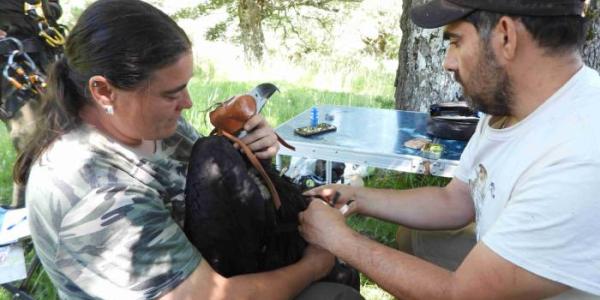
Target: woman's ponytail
(58, 113)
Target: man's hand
(336, 194)
(261, 137)
(2, 34)
(321, 224)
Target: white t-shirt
(536, 187)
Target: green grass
(7, 157)
(351, 86)
(209, 88)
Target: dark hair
(557, 34)
(122, 40)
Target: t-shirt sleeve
(550, 225)
(122, 240)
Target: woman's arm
(283, 283)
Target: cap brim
(438, 13)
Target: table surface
(372, 136)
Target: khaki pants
(446, 249)
(329, 291)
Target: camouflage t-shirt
(104, 219)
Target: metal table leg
(328, 176)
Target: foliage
(7, 157)
(72, 10)
(298, 28)
(593, 14)
(202, 9)
(216, 32)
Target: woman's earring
(109, 109)
(95, 83)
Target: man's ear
(505, 39)
(101, 90)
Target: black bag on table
(452, 121)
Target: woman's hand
(337, 195)
(2, 33)
(261, 137)
(321, 259)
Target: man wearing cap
(528, 177)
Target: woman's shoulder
(81, 159)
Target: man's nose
(450, 63)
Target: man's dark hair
(557, 34)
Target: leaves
(302, 27)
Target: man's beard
(489, 90)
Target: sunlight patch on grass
(371, 291)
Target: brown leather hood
(231, 115)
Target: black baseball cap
(438, 13)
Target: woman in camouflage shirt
(106, 169)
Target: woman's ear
(101, 90)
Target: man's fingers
(312, 192)
(322, 192)
(318, 202)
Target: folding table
(369, 136)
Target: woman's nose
(186, 101)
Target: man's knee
(403, 239)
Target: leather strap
(256, 164)
(284, 143)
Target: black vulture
(232, 220)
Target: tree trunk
(251, 35)
(591, 50)
(421, 79)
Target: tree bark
(591, 50)
(252, 37)
(421, 79)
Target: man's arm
(284, 283)
(483, 274)
(448, 207)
